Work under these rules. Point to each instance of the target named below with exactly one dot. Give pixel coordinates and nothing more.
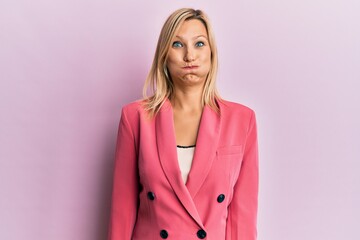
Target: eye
(177, 44)
(200, 44)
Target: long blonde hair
(158, 78)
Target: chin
(194, 80)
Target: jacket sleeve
(125, 190)
(242, 212)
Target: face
(189, 56)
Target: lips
(190, 67)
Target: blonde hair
(158, 78)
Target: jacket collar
(207, 140)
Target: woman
(186, 162)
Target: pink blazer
(220, 198)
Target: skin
(188, 49)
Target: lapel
(207, 140)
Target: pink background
(67, 67)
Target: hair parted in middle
(158, 79)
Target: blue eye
(200, 44)
(177, 44)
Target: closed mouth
(190, 67)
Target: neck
(187, 99)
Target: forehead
(191, 28)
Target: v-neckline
(208, 130)
(204, 154)
(174, 136)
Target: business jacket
(220, 198)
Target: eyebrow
(193, 37)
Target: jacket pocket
(229, 150)
(231, 158)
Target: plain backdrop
(67, 68)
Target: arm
(242, 217)
(125, 184)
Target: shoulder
(236, 115)
(133, 110)
(229, 107)
(134, 106)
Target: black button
(201, 234)
(221, 198)
(151, 195)
(164, 234)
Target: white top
(185, 157)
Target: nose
(189, 55)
